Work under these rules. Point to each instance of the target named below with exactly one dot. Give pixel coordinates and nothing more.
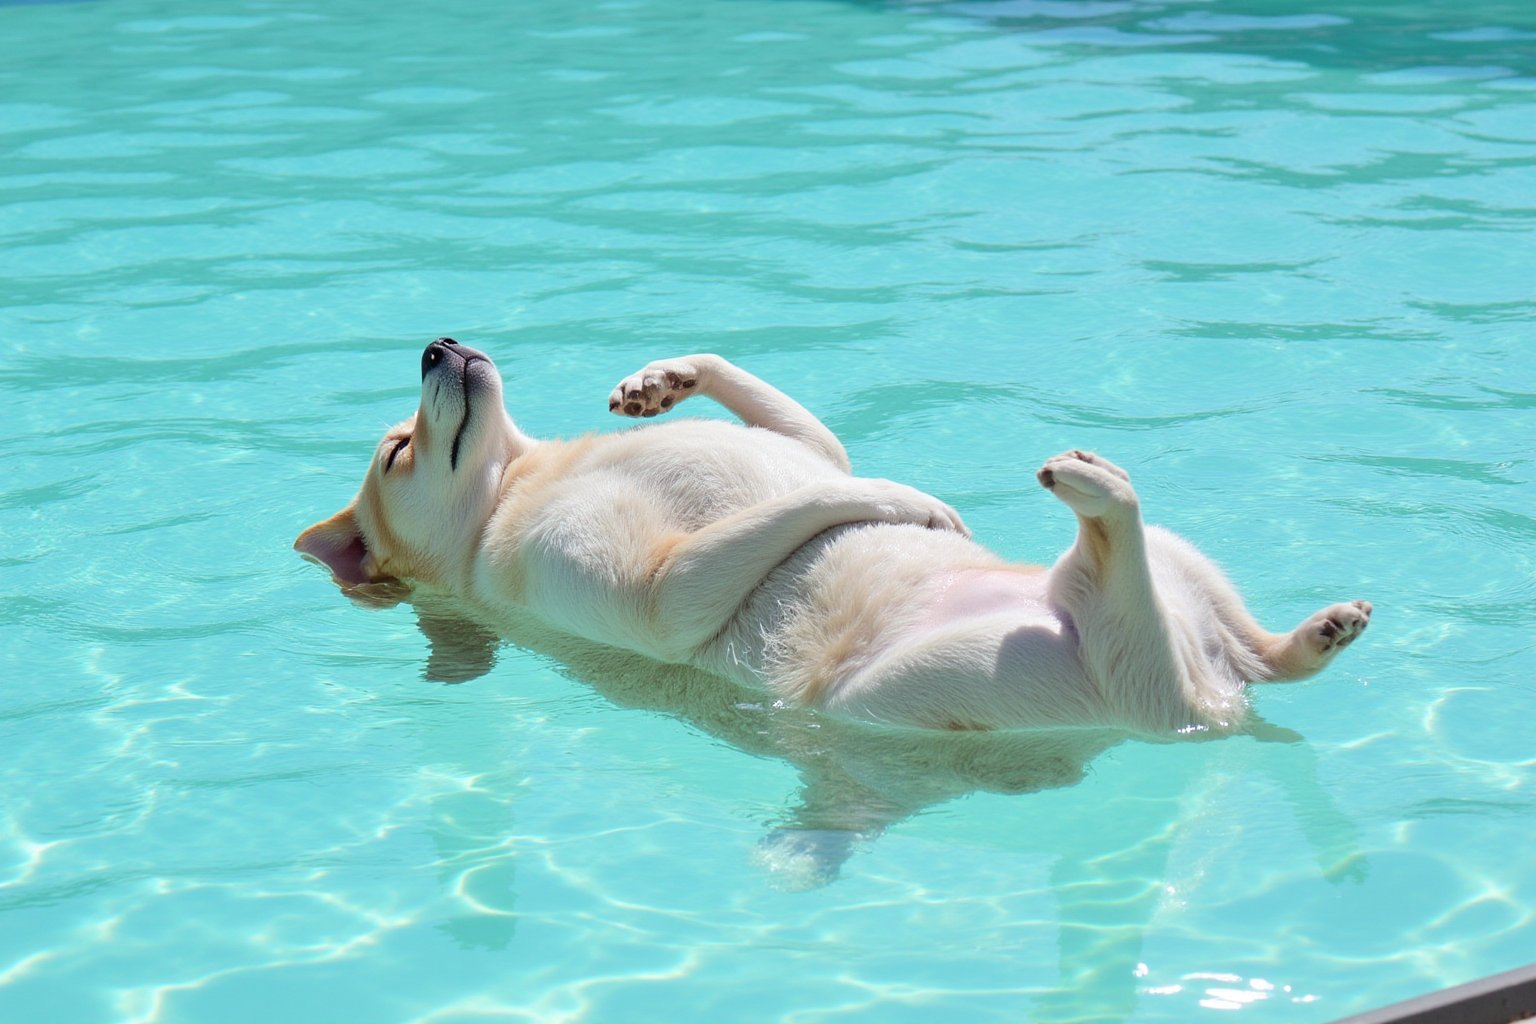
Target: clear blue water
(1275, 258)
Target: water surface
(1275, 259)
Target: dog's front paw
(655, 389)
(1335, 627)
(891, 502)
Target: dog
(750, 551)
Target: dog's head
(432, 484)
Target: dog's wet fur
(750, 551)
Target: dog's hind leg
(1256, 654)
(662, 384)
(1138, 659)
(1307, 649)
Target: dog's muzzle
(448, 372)
(447, 352)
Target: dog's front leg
(662, 384)
(700, 579)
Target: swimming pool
(1276, 259)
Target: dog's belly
(901, 624)
(855, 593)
(1017, 593)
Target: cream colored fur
(750, 551)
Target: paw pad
(1342, 624)
(653, 390)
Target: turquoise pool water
(1278, 259)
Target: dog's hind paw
(1336, 627)
(654, 389)
(1089, 484)
(1312, 645)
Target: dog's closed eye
(396, 450)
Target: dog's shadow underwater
(1109, 878)
(856, 778)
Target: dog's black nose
(445, 350)
(434, 354)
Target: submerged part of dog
(856, 780)
(749, 551)
(738, 577)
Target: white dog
(751, 552)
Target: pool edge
(1507, 998)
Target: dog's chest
(581, 548)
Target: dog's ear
(337, 543)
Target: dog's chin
(459, 399)
(474, 437)
(482, 382)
